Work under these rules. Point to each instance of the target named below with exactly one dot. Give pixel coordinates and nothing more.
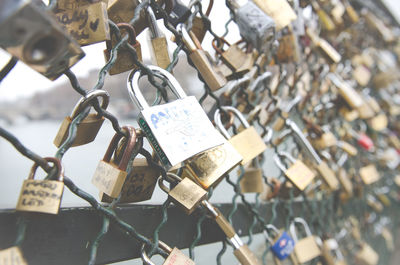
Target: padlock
(280, 11)
(325, 47)
(363, 140)
(366, 255)
(289, 48)
(159, 45)
(125, 60)
(248, 143)
(239, 61)
(282, 245)
(388, 237)
(379, 122)
(175, 256)
(12, 256)
(199, 26)
(187, 195)
(177, 130)
(326, 140)
(43, 196)
(351, 13)
(139, 183)
(372, 202)
(326, 173)
(331, 252)
(87, 23)
(108, 177)
(89, 127)
(348, 148)
(209, 167)
(34, 36)
(179, 13)
(254, 25)
(326, 22)
(345, 181)
(252, 180)
(338, 10)
(241, 251)
(214, 79)
(362, 75)
(376, 24)
(298, 173)
(306, 248)
(285, 112)
(369, 174)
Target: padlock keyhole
(42, 50)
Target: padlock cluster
(309, 86)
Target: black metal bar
(65, 238)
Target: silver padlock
(177, 130)
(254, 25)
(32, 35)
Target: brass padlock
(239, 61)
(241, 251)
(175, 256)
(199, 27)
(209, 167)
(43, 196)
(186, 194)
(376, 24)
(306, 248)
(159, 46)
(369, 174)
(331, 252)
(348, 148)
(326, 173)
(125, 59)
(372, 202)
(213, 78)
(248, 143)
(362, 75)
(345, 181)
(252, 180)
(325, 47)
(338, 10)
(279, 10)
(34, 36)
(289, 48)
(12, 256)
(89, 127)
(379, 122)
(108, 177)
(326, 140)
(366, 255)
(326, 22)
(351, 13)
(139, 183)
(87, 24)
(298, 173)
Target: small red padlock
(365, 142)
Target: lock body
(300, 175)
(109, 179)
(160, 50)
(283, 246)
(209, 167)
(36, 38)
(306, 249)
(255, 26)
(328, 176)
(12, 255)
(86, 132)
(249, 144)
(366, 255)
(87, 24)
(139, 183)
(252, 180)
(237, 60)
(245, 256)
(198, 28)
(125, 60)
(176, 257)
(43, 196)
(178, 130)
(369, 174)
(280, 11)
(188, 195)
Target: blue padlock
(283, 245)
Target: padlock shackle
(131, 32)
(84, 102)
(236, 112)
(187, 40)
(130, 144)
(303, 140)
(137, 96)
(152, 21)
(145, 257)
(161, 184)
(57, 165)
(261, 78)
(268, 136)
(219, 49)
(279, 163)
(292, 228)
